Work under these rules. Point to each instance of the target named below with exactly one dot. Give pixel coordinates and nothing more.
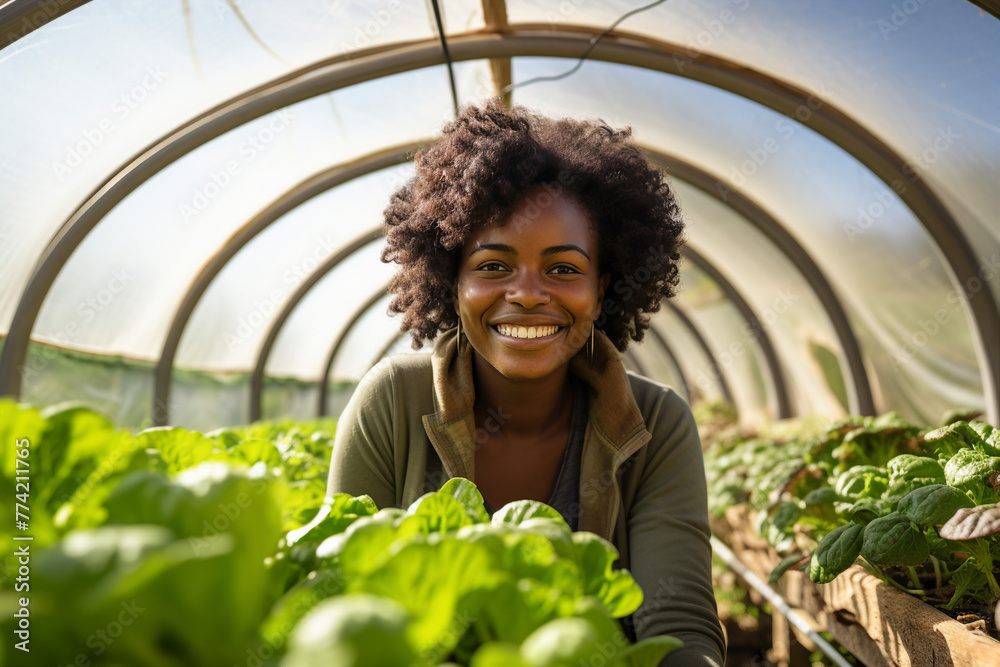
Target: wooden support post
(781, 643)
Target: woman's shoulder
(652, 395)
(663, 409)
(400, 370)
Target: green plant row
(916, 507)
(171, 548)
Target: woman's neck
(520, 410)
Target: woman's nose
(528, 289)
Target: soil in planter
(976, 617)
(973, 617)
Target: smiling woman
(534, 249)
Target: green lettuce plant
(520, 587)
(172, 548)
(917, 510)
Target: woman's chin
(525, 366)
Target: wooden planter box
(880, 625)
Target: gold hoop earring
(590, 348)
(458, 335)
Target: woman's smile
(515, 331)
(528, 337)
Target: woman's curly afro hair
(477, 172)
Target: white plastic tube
(723, 552)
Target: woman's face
(529, 291)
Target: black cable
(447, 55)
(579, 63)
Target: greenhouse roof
(190, 208)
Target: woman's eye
(564, 270)
(490, 266)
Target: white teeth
(526, 332)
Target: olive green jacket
(409, 427)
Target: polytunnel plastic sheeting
(660, 364)
(147, 249)
(913, 73)
(100, 83)
(735, 351)
(703, 380)
(781, 298)
(227, 328)
(292, 400)
(889, 274)
(305, 340)
(365, 340)
(122, 389)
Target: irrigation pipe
(723, 552)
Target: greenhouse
(191, 238)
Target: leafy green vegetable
(835, 553)
(335, 515)
(875, 443)
(968, 578)
(989, 437)
(894, 540)
(822, 496)
(968, 471)
(352, 631)
(933, 505)
(908, 472)
(616, 590)
(867, 510)
(783, 566)
(863, 481)
(564, 642)
(176, 448)
(520, 511)
(779, 529)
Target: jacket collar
(615, 429)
